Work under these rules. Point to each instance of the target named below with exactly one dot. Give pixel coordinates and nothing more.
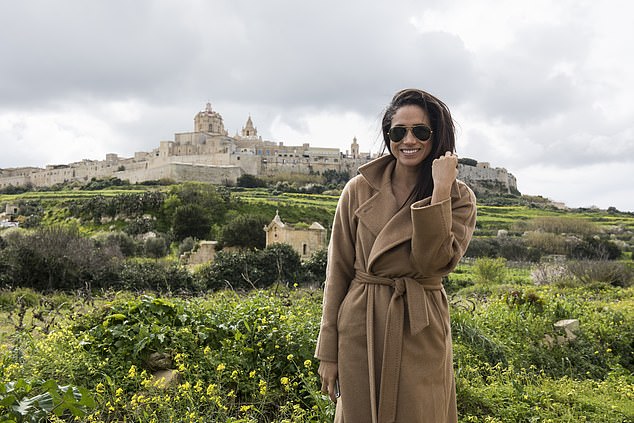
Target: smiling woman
(400, 226)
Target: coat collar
(380, 214)
(375, 212)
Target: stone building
(209, 154)
(304, 240)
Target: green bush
(250, 181)
(547, 243)
(186, 245)
(191, 220)
(142, 275)
(594, 249)
(564, 225)
(121, 240)
(27, 401)
(55, 258)
(155, 246)
(249, 269)
(314, 268)
(483, 247)
(490, 270)
(515, 249)
(244, 231)
(247, 358)
(610, 272)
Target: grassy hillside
(246, 356)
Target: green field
(246, 355)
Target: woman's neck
(404, 181)
(405, 177)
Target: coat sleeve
(442, 231)
(339, 273)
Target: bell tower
(209, 121)
(354, 148)
(249, 131)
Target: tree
(155, 247)
(191, 220)
(335, 177)
(56, 257)
(245, 231)
(250, 181)
(205, 197)
(467, 161)
(315, 267)
(278, 263)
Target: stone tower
(209, 121)
(354, 148)
(249, 131)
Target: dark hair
(443, 137)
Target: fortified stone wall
(486, 179)
(209, 155)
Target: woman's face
(410, 151)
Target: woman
(401, 225)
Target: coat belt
(414, 291)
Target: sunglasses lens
(422, 132)
(397, 133)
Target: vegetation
(100, 322)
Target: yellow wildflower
(262, 385)
(132, 372)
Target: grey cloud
(521, 83)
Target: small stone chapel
(303, 240)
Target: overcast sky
(544, 89)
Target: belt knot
(399, 287)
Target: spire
(249, 131)
(277, 218)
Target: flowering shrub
(235, 357)
(243, 358)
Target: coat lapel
(375, 212)
(380, 213)
(397, 231)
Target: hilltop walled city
(210, 154)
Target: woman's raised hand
(444, 171)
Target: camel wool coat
(385, 313)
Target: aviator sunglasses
(421, 132)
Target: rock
(159, 361)
(567, 324)
(165, 378)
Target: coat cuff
(326, 349)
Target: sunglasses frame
(410, 129)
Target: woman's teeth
(409, 150)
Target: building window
(304, 249)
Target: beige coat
(385, 313)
